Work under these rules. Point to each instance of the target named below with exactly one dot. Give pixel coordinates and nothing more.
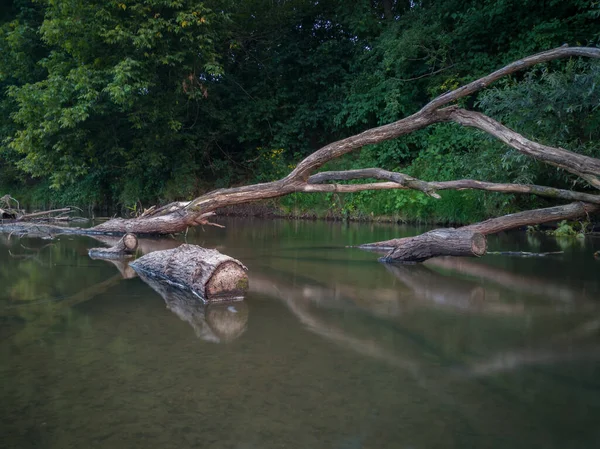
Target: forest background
(125, 104)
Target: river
(330, 349)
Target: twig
(39, 214)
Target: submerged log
(439, 242)
(206, 272)
(125, 247)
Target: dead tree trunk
(206, 272)
(125, 247)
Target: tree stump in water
(208, 273)
(439, 242)
(124, 248)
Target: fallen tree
(179, 216)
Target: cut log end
(130, 242)
(227, 281)
(125, 247)
(478, 244)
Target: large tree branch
(424, 117)
(402, 181)
(585, 167)
(521, 64)
(428, 115)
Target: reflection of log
(212, 322)
(207, 272)
(122, 265)
(125, 247)
(296, 299)
(439, 242)
(441, 290)
(512, 281)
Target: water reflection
(517, 282)
(340, 351)
(217, 323)
(427, 297)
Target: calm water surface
(330, 349)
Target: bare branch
(375, 173)
(402, 181)
(477, 85)
(586, 167)
(40, 214)
(428, 115)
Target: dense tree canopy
(120, 102)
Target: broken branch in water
(524, 253)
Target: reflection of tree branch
(513, 360)
(33, 257)
(294, 298)
(420, 279)
(41, 316)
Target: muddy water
(330, 349)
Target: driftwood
(439, 242)
(206, 272)
(125, 247)
(179, 216)
(524, 253)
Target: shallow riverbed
(330, 349)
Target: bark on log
(439, 242)
(206, 272)
(125, 247)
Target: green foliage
(132, 102)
